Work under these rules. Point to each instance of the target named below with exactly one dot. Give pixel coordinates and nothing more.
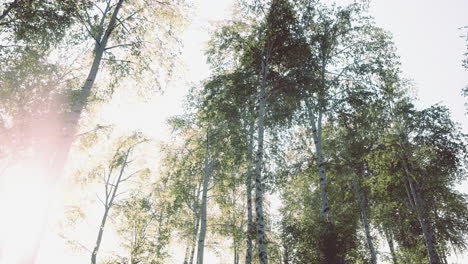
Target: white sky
(426, 35)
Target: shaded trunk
(328, 237)
(236, 255)
(362, 201)
(317, 136)
(285, 253)
(187, 252)
(196, 222)
(442, 248)
(365, 222)
(420, 208)
(206, 180)
(389, 238)
(73, 118)
(250, 224)
(261, 236)
(194, 237)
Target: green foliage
(38, 22)
(145, 224)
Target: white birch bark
(196, 211)
(206, 180)
(194, 239)
(261, 236)
(317, 136)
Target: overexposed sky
(427, 38)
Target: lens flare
(24, 197)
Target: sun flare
(24, 198)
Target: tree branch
(7, 11)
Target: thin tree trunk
(99, 237)
(236, 255)
(328, 239)
(419, 207)
(389, 238)
(261, 236)
(196, 222)
(442, 248)
(194, 237)
(370, 244)
(110, 196)
(362, 201)
(187, 252)
(206, 180)
(285, 254)
(425, 224)
(250, 224)
(317, 136)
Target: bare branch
(97, 196)
(92, 130)
(131, 175)
(126, 61)
(120, 45)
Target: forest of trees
(303, 146)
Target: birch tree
(120, 30)
(266, 44)
(182, 166)
(112, 177)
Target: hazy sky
(426, 35)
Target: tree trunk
(362, 201)
(389, 238)
(99, 237)
(236, 255)
(194, 237)
(250, 224)
(285, 253)
(206, 180)
(419, 206)
(196, 222)
(328, 238)
(63, 145)
(110, 196)
(365, 222)
(317, 136)
(261, 236)
(424, 222)
(187, 252)
(73, 118)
